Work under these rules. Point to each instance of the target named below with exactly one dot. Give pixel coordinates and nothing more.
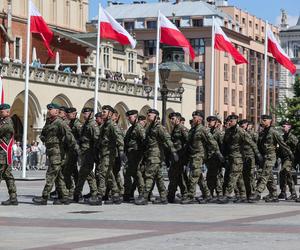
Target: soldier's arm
(248, 140)
(211, 142)
(279, 140)
(165, 139)
(68, 137)
(118, 135)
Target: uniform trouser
(70, 171)
(132, 173)
(285, 176)
(266, 178)
(153, 173)
(235, 178)
(86, 174)
(214, 176)
(203, 186)
(195, 164)
(106, 179)
(176, 179)
(115, 179)
(7, 176)
(249, 175)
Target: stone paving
(126, 226)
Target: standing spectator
(34, 155)
(17, 155)
(42, 155)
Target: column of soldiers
(239, 161)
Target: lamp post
(164, 73)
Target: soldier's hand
(175, 157)
(259, 159)
(220, 157)
(123, 157)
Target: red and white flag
(275, 49)
(39, 26)
(111, 29)
(223, 43)
(171, 35)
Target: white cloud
(292, 20)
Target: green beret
(198, 113)
(285, 122)
(266, 117)
(232, 117)
(4, 106)
(182, 119)
(53, 106)
(63, 108)
(87, 109)
(109, 108)
(71, 110)
(98, 114)
(241, 122)
(132, 112)
(211, 118)
(153, 111)
(142, 118)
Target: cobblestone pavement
(126, 226)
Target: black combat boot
(126, 198)
(40, 200)
(187, 200)
(292, 197)
(76, 198)
(94, 201)
(282, 196)
(54, 195)
(224, 200)
(141, 201)
(10, 202)
(160, 201)
(254, 198)
(63, 201)
(272, 199)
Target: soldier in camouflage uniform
(214, 176)
(156, 141)
(99, 122)
(179, 138)
(199, 140)
(133, 147)
(109, 143)
(87, 152)
(234, 141)
(55, 134)
(6, 136)
(285, 174)
(268, 141)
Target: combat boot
(224, 200)
(254, 198)
(126, 198)
(160, 201)
(141, 201)
(292, 197)
(240, 200)
(63, 201)
(187, 201)
(282, 196)
(76, 198)
(40, 200)
(298, 199)
(10, 202)
(94, 201)
(54, 195)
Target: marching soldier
(55, 135)
(268, 141)
(133, 147)
(87, 151)
(156, 139)
(179, 138)
(7, 140)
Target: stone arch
(122, 108)
(35, 117)
(62, 100)
(144, 110)
(168, 124)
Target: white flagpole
(212, 72)
(1, 86)
(265, 70)
(97, 63)
(156, 84)
(25, 125)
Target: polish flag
(171, 35)
(39, 26)
(275, 49)
(111, 29)
(223, 43)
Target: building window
(240, 99)
(225, 24)
(237, 18)
(243, 20)
(106, 57)
(296, 51)
(225, 54)
(150, 47)
(177, 23)
(130, 62)
(225, 95)
(241, 76)
(233, 74)
(18, 48)
(199, 45)
(225, 72)
(200, 68)
(262, 29)
(151, 24)
(129, 26)
(200, 94)
(233, 97)
(197, 22)
(256, 26)
(250, 23)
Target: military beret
(63, 108)
(142, 118)
(266, 117)
(53, 106)
(153, 111)
(87, 109)
(98, 114)
(176, 114)
(285, 122)
(182, 119)
(4, 106)
(232, 117)
(198, 113)
(132, 112)
(211, 118)
(241, 122)
(71, 110)
(109, 108)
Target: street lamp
(164, 73)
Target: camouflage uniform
(6, 133)
(179, 137)
(133, 145)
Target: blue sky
(266, 9)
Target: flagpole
(1, 88)
(212, 72)
(25, 123)
(97, 63)
(156, 84)
(265, 70)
